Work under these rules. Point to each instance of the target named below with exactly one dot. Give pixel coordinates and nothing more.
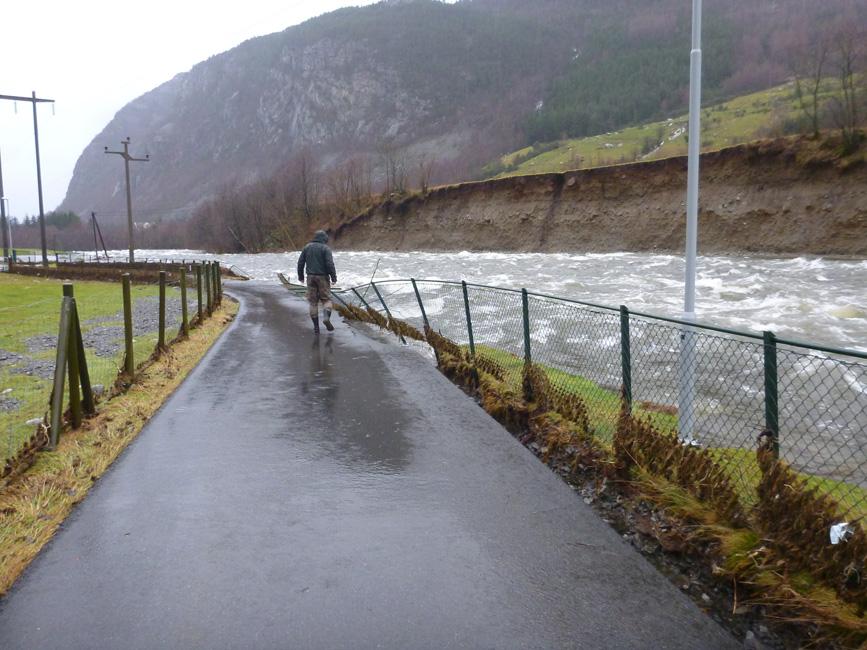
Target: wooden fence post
(209, 282)
(129, 361)
(60, 373)
(72, 362)
(185, 323)
(161, 340)
(199, 289)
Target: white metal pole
(686, 397)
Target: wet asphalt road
(336, 493)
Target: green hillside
(762, 114)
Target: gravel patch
(42, 368)
(146, 314)
(9, 358)
(105, 340)
(8, 403)
(41, 343)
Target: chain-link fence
(717, 389)
(29, 338)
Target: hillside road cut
(336, 492)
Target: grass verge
(34, 504)
(30, 312)
(603, 406)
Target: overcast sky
(94, 56)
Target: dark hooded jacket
(316, 258)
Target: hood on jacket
(320, 236)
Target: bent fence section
(724, 391)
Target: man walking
(316, 258)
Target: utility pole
(33, 99)
(3, 214)
(93, 227)
(687, 381)
(126, 160)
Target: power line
(126, 160)
(33, 99)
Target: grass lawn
(736, 121)
(30, 311)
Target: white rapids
(811, 299)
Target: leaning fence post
(87, 401)
(772, 414)
(361, 298)
(469, 319)
(209, 281)
(60, 373)
(185, 323)
(129, 362)
(199, 289)
(72, 362)
(626, 356)
(420, 304)
(161, 341)
(525, 308)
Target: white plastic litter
(840, 533)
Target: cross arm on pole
(36, 100)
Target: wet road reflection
(345, 407)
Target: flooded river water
(813, 299)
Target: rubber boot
(315, 320)
(327, 321)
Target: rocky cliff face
(755, 199)
(228, 122)
(432, 78)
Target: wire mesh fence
(716, 389)
(29, 337)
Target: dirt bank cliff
(780, 197)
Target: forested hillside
(414, 92)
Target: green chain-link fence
(718, 389)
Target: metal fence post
(626, 356)
(199, 289)
(469, 319)
(772, 414)
(129, 362)
(161, 341)
(420, 303)
(60, 373)
(387, 312)
(525, 307)
(72, 362)
(185, 322)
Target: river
(812, 299)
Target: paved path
(336, 493)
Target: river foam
(815, 299)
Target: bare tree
(848, 59)
(425, 172)
(810, 69)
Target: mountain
(455, 85)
